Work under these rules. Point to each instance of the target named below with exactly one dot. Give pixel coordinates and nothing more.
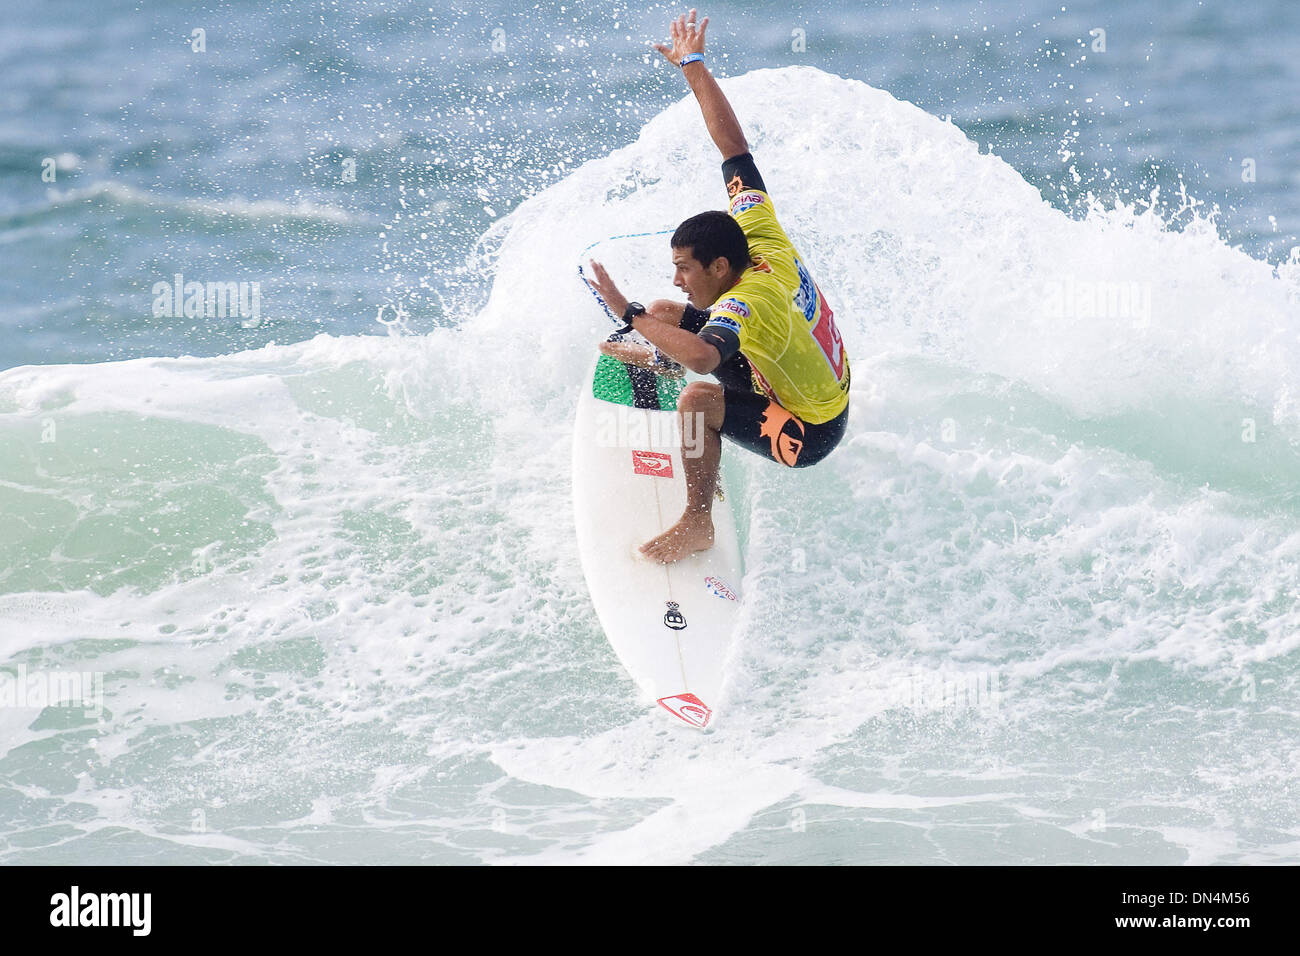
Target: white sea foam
(235, 206)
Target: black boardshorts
(756, 422)
(762, 426)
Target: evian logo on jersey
(745, 201)
(716, 586)
(688, 707)
(730, 304)
(652, 463)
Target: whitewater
(1039, 607)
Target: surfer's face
(702, 284)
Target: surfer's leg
(702, 407)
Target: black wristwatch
(631, 312)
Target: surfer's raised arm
(688, 45)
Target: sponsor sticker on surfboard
(717, 587)
(652, 463)
(689, 708)
(674, 618)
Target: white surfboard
(670, 625)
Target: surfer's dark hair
(713, 234)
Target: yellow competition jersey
(785, 326)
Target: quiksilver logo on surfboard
(688, 707)
(674, 617)
(652, 463)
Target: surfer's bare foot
(693, 533)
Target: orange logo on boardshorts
(785, 445)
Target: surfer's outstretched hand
(615, 301)
(686, 38)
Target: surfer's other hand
(606, 289)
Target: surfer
(754, 319)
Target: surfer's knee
(706, 399)
(697, 395)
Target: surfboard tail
(688, 708)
